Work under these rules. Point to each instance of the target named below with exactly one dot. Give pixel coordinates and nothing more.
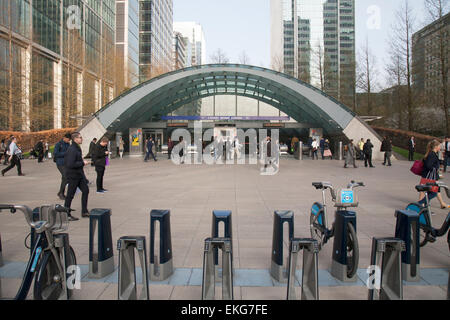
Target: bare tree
(367, 74)
(219, 57)
(439, 51)
(319, 57)
(244, 58)
(401, 42)
(277, 63)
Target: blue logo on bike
(36, 259)
(347, 196)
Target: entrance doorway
(157, 136)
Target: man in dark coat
(411, 148)
(58, 156)
(149, 150)
(91, 149)
(386, 147)
(74, 164)
(99, 155)
(39, 148)
(367, 149)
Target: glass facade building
(314, 41)
(127, 44)
(55, 61)
(155, 37)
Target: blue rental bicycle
(319, 222)
(51, 254)
(427, 232)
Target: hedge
(27, 140)
(400, 138)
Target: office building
(55, 62)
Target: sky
(237, 26)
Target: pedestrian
(150, 150)
(121, 147)
(411, 148)
(294, 144)
(446, 152)
(368, 146)
(268, 159)
(386, 147)
(170, 147)
(361, 149)
(183, 145)
(91, 149)
(322, 147)
(76, 178)
(46, 150)
(430, 173)
(315, 147)
(14, 158)
(58, 157)
(327, 151)
(8, 143)
(2, 149)
(350, 156)
(99, 157)
(39, 148)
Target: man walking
(386, 147)
(58, 156)
(315, 147)
(368, 146)
(91, 149)
(411, 149)
(99, 158)
(149, 150)
(8, 143)
(446, 152)
(350, 157)
(39, 148)
(74, 164)
(14, 158)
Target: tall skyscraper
(127, 44)
(179, 51)
(194, 33)
(314, 41)
(55, 62)
(155, 37)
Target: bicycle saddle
(424, 188)
(321, 185)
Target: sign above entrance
(225, 118)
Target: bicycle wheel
(352, 251)
(317, 227)
(48, 282)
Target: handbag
(417, 167)
(432, 177)
(327, 153)
(107, 161)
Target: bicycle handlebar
(354, 184)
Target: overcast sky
(244, 25)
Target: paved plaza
(192, 192)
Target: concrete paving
(192, 192)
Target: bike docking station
(127, 268)
(344, 220)
(224, 217)
(209, 272)
(101, 256)
(386, 255)
(407, 229)
(160, 268)
(277, 270)
(310, 270)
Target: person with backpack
(58, 157)
(386, 147)
(367, 149)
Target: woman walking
(430, 173)
(121, 147)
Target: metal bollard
(386, 254)
(101, 259)
(225, 217)
(162, 268)
(407, 229)
(310, 275)
(340, 258)
(127, 268)
(209, 281)
(276, 268)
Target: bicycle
(51, 254)
(427, 232)
(319, 222)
